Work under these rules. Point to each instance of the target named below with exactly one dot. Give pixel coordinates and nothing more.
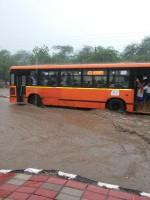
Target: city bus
(99, 86)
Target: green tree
(144, 50)
(97, 54)
(85, 55)
(40, 55)
(105, 55)
(138, 52)
(22, 57)
(6, 61)
(131, 52)
(62, 54)
(144, 47)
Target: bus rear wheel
(116, 105)
(35, 100)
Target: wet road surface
(101, 145)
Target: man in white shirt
(147, 92)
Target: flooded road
(100, 145)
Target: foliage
(40, 55)
(22, 57)
(5, 61)
(62, 54)
(138, 52)
(97, 54)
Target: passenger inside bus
(33, 78)
(140, 94)
(147, 95)
(143, 94)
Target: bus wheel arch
(35, 99)
(116, 104)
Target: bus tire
(35, 100)
(116, 105)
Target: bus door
(20, 88)
(142, 102)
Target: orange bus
(100, 86)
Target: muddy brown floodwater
(100, 145)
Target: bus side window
(49, 78)
(100, 78)
(87, 81)
(71, 78)
(100, 81)
(32, 78)
(119, 79)
(87, 78)
(76, 78)
(95, 78)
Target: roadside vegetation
(66, 54)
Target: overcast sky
(25, 24)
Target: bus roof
(84, 66)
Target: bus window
(119, 79)
(32, 78)
(100, 81)
(88, 81)
(87, 78)
(71, 78)
(49, 78)
(95, 78)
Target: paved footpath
(22, 185)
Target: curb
(74, 177)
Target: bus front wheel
(35, 100)
(116, 105)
